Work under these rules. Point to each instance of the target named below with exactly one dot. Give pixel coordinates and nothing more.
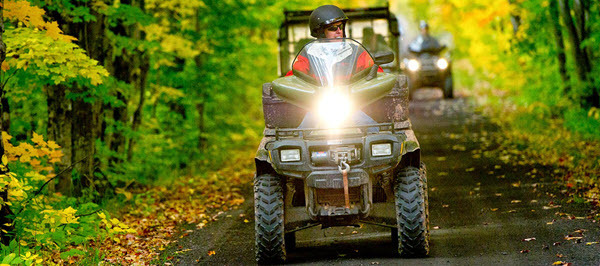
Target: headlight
(413, 65)
(442, 63)
(381, 149)
(333, 109)
(291, 155)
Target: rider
(329, 21)
(424, 42)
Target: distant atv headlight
(442, 63)
(291, 155)
(381, 149)
(333, 109)
(413, 65)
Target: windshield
(332, 62)
(425, 44)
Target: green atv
(338, 170)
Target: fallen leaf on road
(528, 239)
(511, 211)
(550, 207)
(459, 148)
(562, 263)
(573, 237)
(515, 201)
(212, 252)
(494, 209)
(558, 255)
(590, 243)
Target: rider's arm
(301, 64)
(365, 61)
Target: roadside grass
(160, 213)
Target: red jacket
(363, 61)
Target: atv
(427, 67)
(338, 171)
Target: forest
(114, 114)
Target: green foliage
(56, 61)
(45, 221)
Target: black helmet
(423, 25)
(325, 15)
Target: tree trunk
(140, 83)
(580, 11)
(85, 116)
(515, 20)
(5, 108)
(59, 130)
(200, 104)
(578, 56)
(201, 138)
(5, 212)
(83, 146)
(560, 45)
(582, 63)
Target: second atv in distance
(426, 65)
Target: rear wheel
(412, 212)
(269, 224)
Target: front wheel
(448, 88)
(268, 218)
(412, 212)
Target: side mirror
(442, 48)
(384, 57)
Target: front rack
(347, 132)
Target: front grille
(335, 197)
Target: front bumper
(324, 173)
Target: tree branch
(49, 180)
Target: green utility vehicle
(338, 171)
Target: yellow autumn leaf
(4, 159)
(38, 139)
(52, 145)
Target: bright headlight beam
(334, 108)
(413, 65)
(442, 63)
